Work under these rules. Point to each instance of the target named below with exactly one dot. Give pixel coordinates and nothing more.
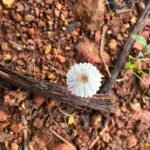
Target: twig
(126, 50)
(123, 11)
(13, 44)
(57, 125)
(102, 49)
(61, 138)
(25, 132)
(144, 82)
(65, 113)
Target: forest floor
(42, 41)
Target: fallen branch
(100, 102)
(126, 50)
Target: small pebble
(30, 47)
(57, 13)
(31, 31)
(4, 46)
(61, 58)
(58, 6)
(106, 137)
(38, 100)
(14, 146)
(38, 123)
(133, 20)
(47, 49)
(3, 116)
(17, 17)
(29, 18)
(112, 44)
(135, 107)
(51, 76)
(131, 141)
(126, 26)
(7, 57)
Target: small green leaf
(139, 39)
(148, 49)
(129, 65)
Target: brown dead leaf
(89, 50)
(135, 106)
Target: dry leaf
(89, 50)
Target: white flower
(83, 80)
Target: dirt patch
(42, 40)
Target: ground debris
(89, 50)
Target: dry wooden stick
(126, 50)
(100, 102)
(102, 49)
(25, 132)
